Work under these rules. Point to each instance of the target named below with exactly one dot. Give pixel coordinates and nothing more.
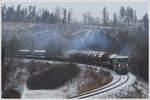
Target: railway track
(115, 80)
(104, 89)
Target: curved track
(122, 80)
(115, 80)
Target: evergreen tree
(58, 14)
(85, 18)
(69, 15)
(18, 12)
(145, 21)
(129, 15)
(30, 8)
(105, 16)
(4, 11)
(64, 16)
(134, 17)
(45, 16)
(52, 19)
(122, 13)
(34, 14)
(115, 20)
(25, 15)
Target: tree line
(126, 15)
(30, 14)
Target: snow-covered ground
(71, 88)
(115, 91)
(133, 88)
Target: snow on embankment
(120, 90)
(71, 88)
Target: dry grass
(11, 94)
(97, 80)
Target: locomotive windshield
(122, 60)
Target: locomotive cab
(120, 64)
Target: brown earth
(97, 80)
(11, 93)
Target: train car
(41, 54)
(23, 53)
(37, 54)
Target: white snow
(123, 89)
(143, 87)
(80, 32)
(39, 50)
(86, 52)
(112, 56)
(25, 50)
(58, 93)
(117, 56)
(70, 89)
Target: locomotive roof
(39, 50)
(25, 50)
(118, 56)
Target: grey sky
(95, 8)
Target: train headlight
(119, 65)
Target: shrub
(11, 93)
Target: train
(117, 63)
(37, 54)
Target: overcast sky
(95, 8)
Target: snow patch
(117, 56)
